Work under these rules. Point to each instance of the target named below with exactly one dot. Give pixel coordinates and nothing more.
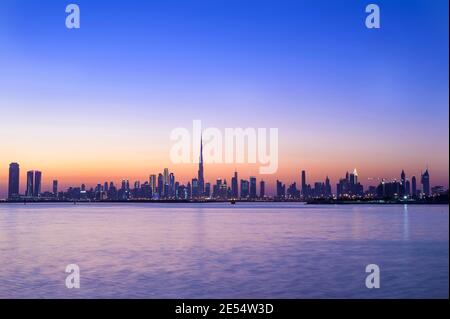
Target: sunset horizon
(80, 115)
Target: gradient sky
(99, 103)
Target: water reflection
(405, 222)
(278, 250)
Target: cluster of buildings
(165, 187)
(405, 188)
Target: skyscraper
(195, 188)
(234, 186)
(244, 188)
(201, 180)
(253, 187)
(281, 189)
(207, 190)
(171, 184)
(403, 183)
(153, 183)
(426, 183)
(37, 183)
(14, 177)
(55, 187)
(355, 176)
(304, 191)
(327, 187)
(413, 186)
(30, 183)
(262, 189)
(165, 190)
(160, 184)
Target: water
(274, 250)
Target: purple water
(275, 250)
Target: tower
(426, 183)
(13, 185)
(327, 187)
(354, 177)
(262, 189)
(55, 187)
(413, 186)
(30, 183)
(304, 191)
(37, 183)
(153, 183)
(403, 183)
(201, 181)
(253, 187)
(234, 186)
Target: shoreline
(232, 202)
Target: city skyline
(165, 186)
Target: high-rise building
(292, 191)
(327, 187)
(223, 190)
(13, 182)
(153, 183)
(355, 176)
(234, 186)
(389, 189)
(252, 187)
(217, 188)
(55, 187)
(349, 186)
(262, 189)
(207, 190)
(304, 189)
(177, 190)
(244, 188)
(413, 186)
(403, 183)
(30, 184)
(188, 190)
(37, 183)
(171, 184)
(195, 188)
(407, 188)
(319, 189)
(426, 183)
(166, 182)
(201, 180)
(281, 189)
(160, 185)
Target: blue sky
(137, 69)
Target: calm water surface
(276, 250)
